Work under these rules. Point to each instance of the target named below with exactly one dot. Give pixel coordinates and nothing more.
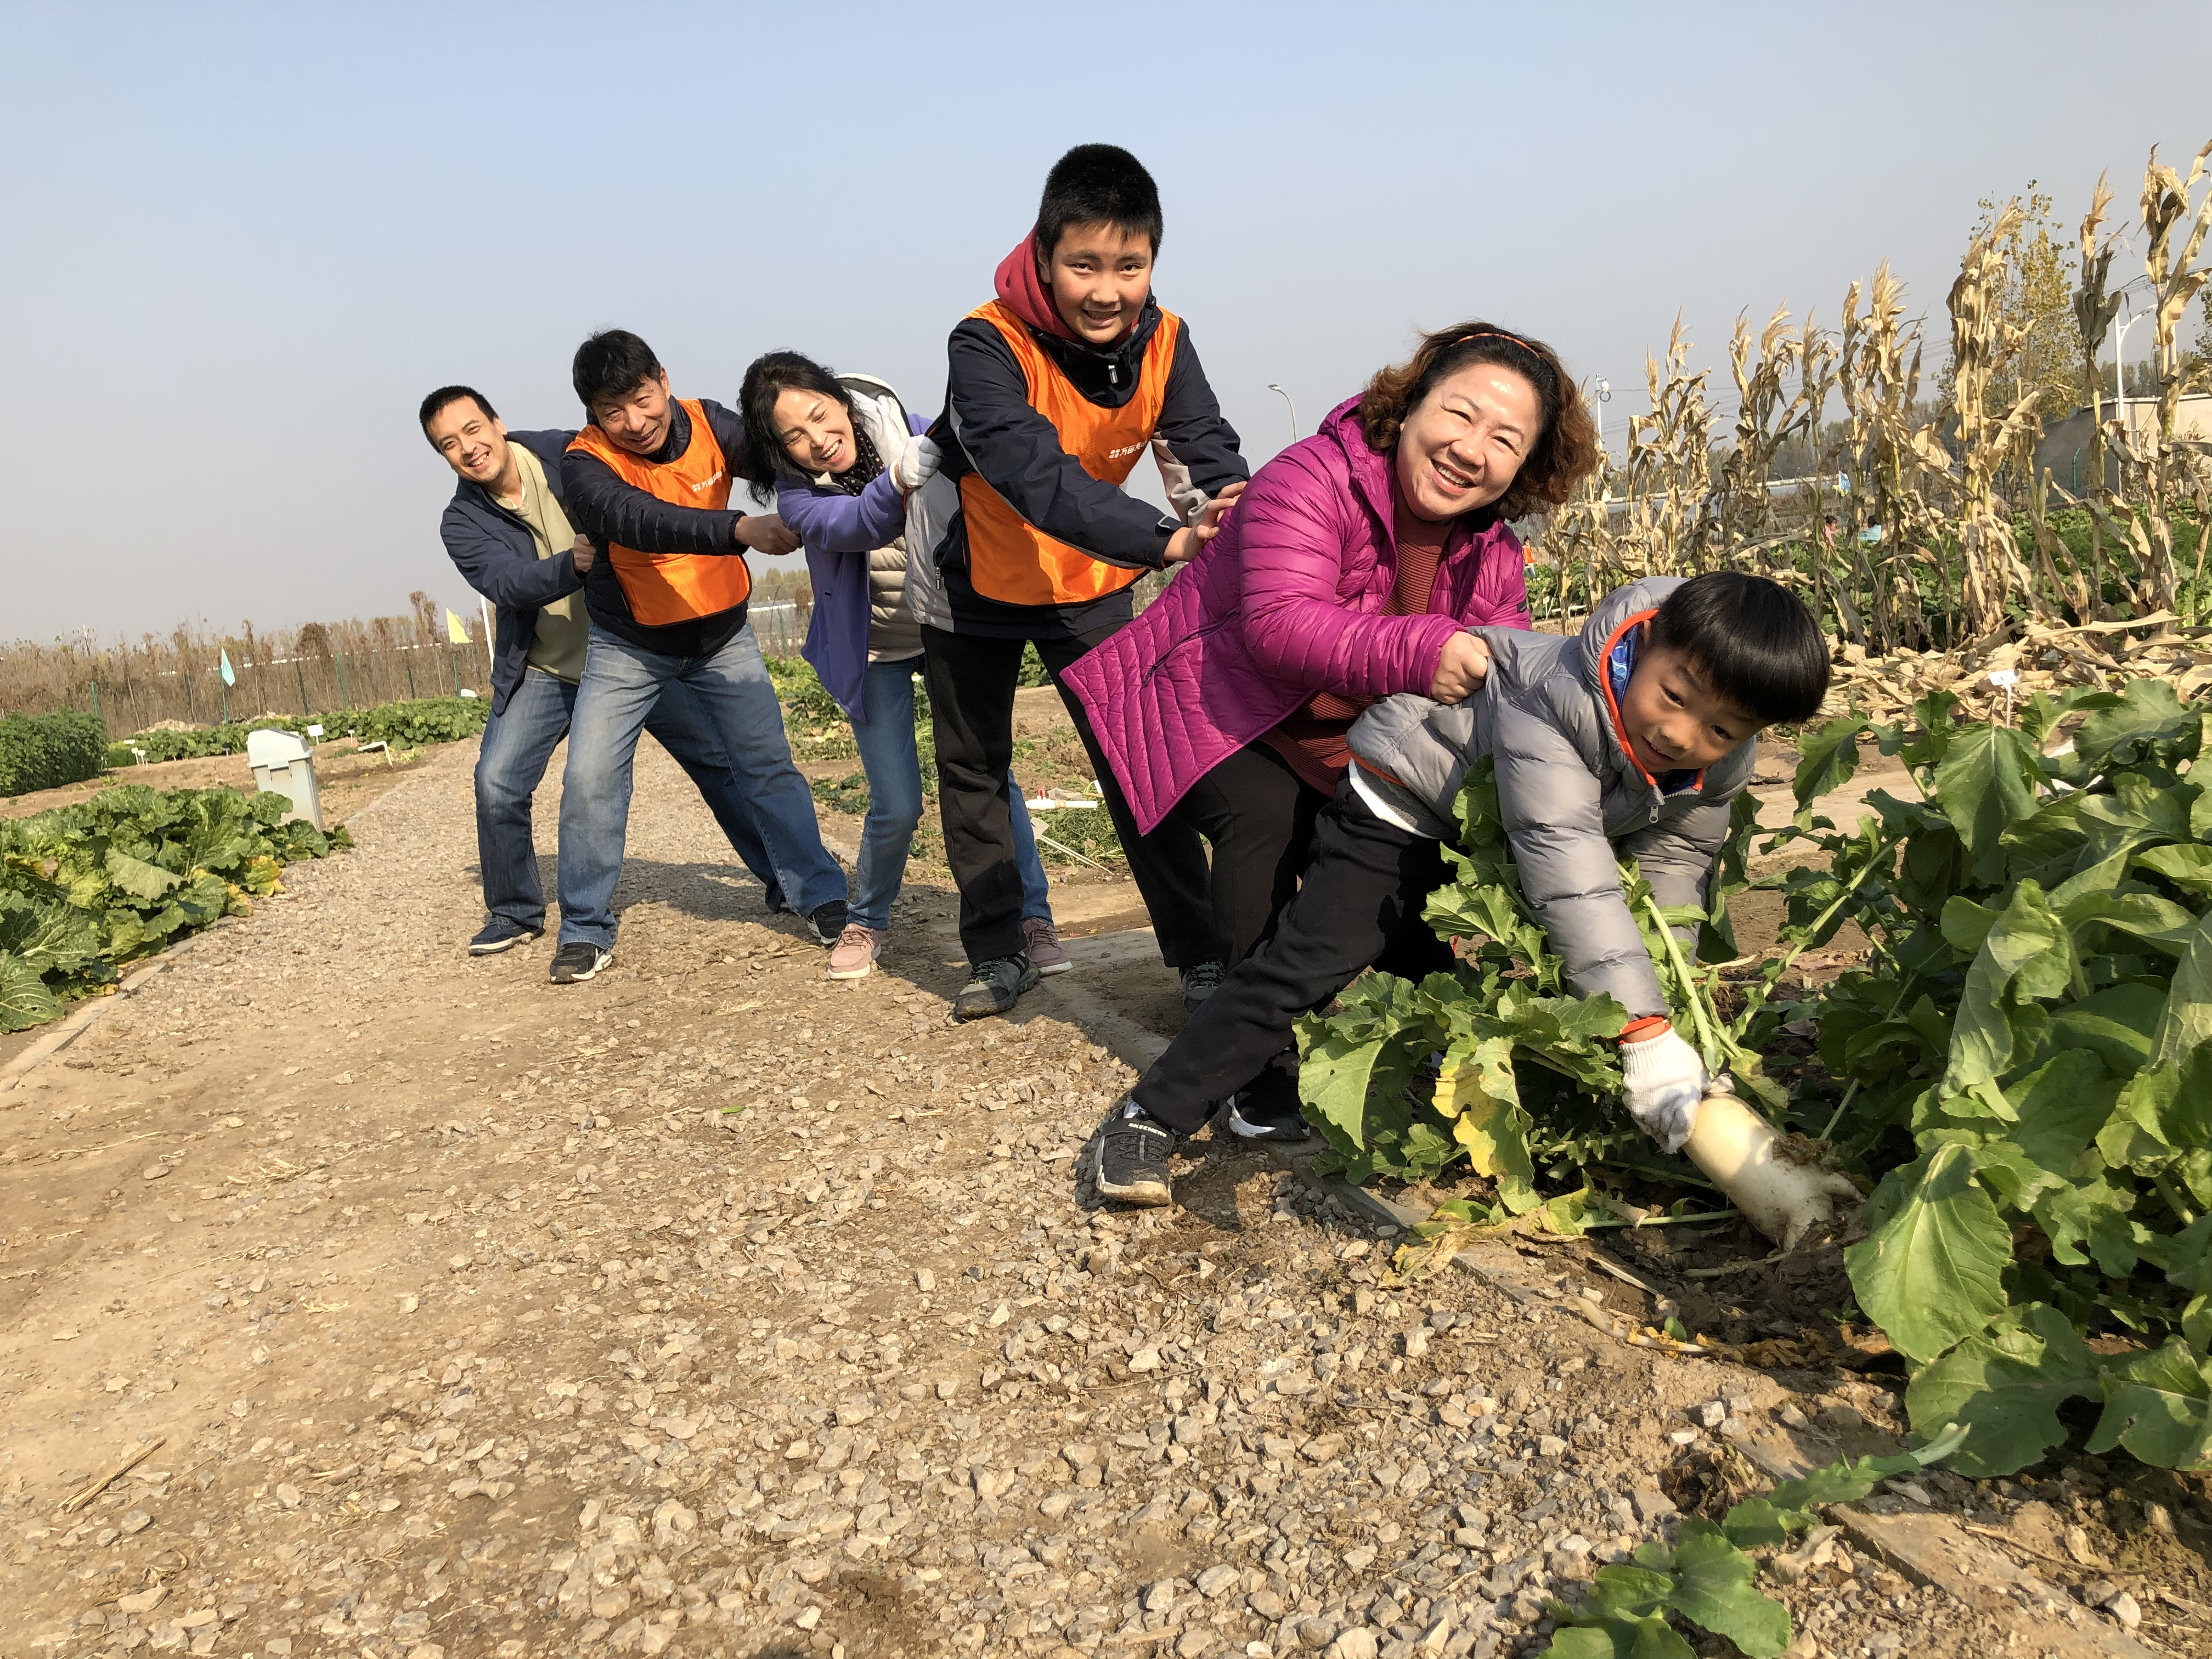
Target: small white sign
(2005, 678)
(315, 731)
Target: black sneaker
(827, 922)
(578, 959)
(1198, 984)
(1131, 1163)
(993, 986)
(1253, 1116)
(500, 935)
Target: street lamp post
(1287, 398)
(2119, 372)
(1601, 394)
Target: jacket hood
(1023, 292)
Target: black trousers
(1359, 906)
(1257, 816)
(972, 681)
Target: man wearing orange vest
(1056, 389)
(648, 480)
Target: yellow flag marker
(456, 630)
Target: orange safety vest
(1009, 559)
(675, 587)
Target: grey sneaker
(993, 987)
(1045, 952)
(1131, 1163)
(1198, 984)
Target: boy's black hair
(436, 404)
(1753, 640)
(1096, 184)
(612, 363)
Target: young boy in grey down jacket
(1631, 738)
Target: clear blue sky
(241, 241)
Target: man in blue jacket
(507, 531)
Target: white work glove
(917, 465)
(1665, 1080)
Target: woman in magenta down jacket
(1227, 701)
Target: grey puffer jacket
(1572, 798)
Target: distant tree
(2039, 296)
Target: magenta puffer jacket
(1285, 602)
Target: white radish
(1743, 1154)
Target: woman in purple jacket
(1349, 571)
(846, 454)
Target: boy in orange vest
(1056, 389)
(648, 480)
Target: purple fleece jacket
(840, 531)
(1285, 602)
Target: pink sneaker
(1042, 946)
(853, 955)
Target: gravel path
(712, 1307)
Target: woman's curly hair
(1565, 451)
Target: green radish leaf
(1626, 1592)
(1333, 1081)
(2187, 1019)
(2006, 1384)
(1849, 1482)
(1986, 781)
(1651, 1638)
(2188, 867)
(2146, 916)
(1757, 1523)
(2092, 1212)
(1828, 758)
(25, 1001)
(2062, 1106)
(2027, 939)
(2156, 1403)
(2147, 712)
(1930, 1272)
(137, 878)
(1714, 1587)
(2119, 1025)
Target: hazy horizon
(248, 239)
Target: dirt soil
(714, 1308)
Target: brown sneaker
(1042, 946)
(853, 955)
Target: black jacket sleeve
(608, 510)
(1017, 451)
(493, 564)
(1198, 441)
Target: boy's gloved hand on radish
(1666, 1090)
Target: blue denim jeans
(893, 764)
(736, 701)
(518, 742)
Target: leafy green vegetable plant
(2027, 1058)
(1707, 1579)
(85, 889)
(408, 724)
(44, 751)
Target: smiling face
(1100, 277)
(1674, 721)
(639, 420)
(1464, 443)
(815, 430)
(473, 443)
